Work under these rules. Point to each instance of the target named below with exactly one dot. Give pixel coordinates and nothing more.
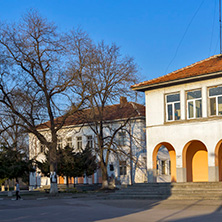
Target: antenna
(220, 26)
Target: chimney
(123, 101)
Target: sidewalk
(34, 195)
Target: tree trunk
(53, 169)
(104, 176)
(67, 183)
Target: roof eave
(177, 81)
(87, 124)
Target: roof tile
(112, 112)
(210, 65)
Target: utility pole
(131, 154)
(220, 26)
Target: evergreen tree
(14, 164)
(70, 163)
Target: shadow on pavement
(72, 209)
(215, 216)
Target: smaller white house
(78, 134)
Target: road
(85, 209)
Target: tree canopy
(38, 73)
(45, 73)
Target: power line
(216, 48)
(212, 33)
(185, 34)
(220, 25)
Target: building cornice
(88, 124)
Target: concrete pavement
(89, 209)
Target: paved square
(85, 209)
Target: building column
(213, 171)
(181, 172)
(151, 173)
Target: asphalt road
(85, 209)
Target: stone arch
(218, 159)
(172, 154)
(195, 160)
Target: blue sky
(161, 35)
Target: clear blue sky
(151, 31)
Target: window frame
(89, 141)
(69, 141)
(173, 106)
(194, 104)
(78, 142)
(122, 168)
(121, 138)
(216, 98)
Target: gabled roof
(111, 113)
(197, 71)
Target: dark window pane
(173, 97)
(194, 94)
(122, 138)
(215, 91)
(213, 106)
(79, 142)
(42, 148)
(198, 108)
(89, 142)
(111, 167)
(177, 111)
(170, 112)
(220, 105)
(122, 167)
(190, 110)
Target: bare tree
(109, 75)
(37, 82)
(12, 134)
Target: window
(163, 165)
(69, 142)
(122, 167)
(59, 143)
(79, 142)
(122, 138)
(111, 167)
(194, 104)
(42, 148)
(144, 160)
(215, 101)
(89, 141)
(173, 107)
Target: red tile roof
(210, 65)
(112, 112)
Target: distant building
(184, 115)
(77, 134)
(163, 165)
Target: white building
(76, 133)
(184, 114)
